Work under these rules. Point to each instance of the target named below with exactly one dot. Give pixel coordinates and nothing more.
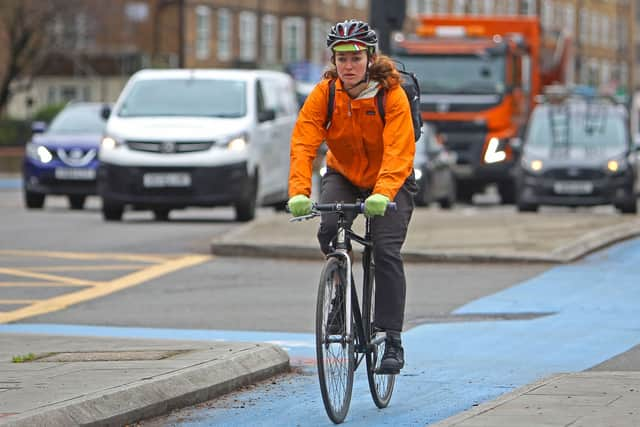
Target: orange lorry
(479, 76)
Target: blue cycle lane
(580, 315)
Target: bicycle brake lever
(304, 217)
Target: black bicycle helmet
(352, 31)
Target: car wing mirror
(38, 127)
(105, 112)
(266, 115)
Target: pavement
(68, 381)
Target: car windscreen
(587, 126)
(185, 98)
(457, 74)
(77, 120)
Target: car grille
(574, 174)
(169, 146)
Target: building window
(584, 24)
(203, 31)
(361, 4)
(318, 41)
(412, 7)
(443, 6)
(458, 7)
(547, 14)
(247, 35)
(269, 42)
(345, 3)
(293, 39)
(570, 19)
(224, 34)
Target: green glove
(376, 204)
(300, 205)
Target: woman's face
(351, 66)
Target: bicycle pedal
(386, 372)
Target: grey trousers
(388, 234)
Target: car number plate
(155, 180)
(573, 187)
(79, 174)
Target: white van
(179, 138)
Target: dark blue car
(63, 158)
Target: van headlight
(617, 165)
(532, 165)
(38, 152)
(110, 143)
(236, 142)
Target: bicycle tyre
(336, 360)
(381, 386)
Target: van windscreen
(186, 98)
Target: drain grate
(109, 356)
(477, 317)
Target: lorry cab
(478, 77)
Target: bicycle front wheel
(381, 386)
(334, 350)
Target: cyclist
(367, 159)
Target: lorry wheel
(507, 193)
(112, 211)
(33, 200)
(77, 202)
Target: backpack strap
(381, 99)
(330, 103)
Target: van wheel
(77, 202)
(111, 211)
(246, 208)
(33, 200)
(630, 207)
(422, 196)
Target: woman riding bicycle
(367, 159)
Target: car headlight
(532, 165)
(110, 143)
(418, 173)
(495, 152)
(38, 152)
(236, 142)
(617, 165)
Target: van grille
(169, 146)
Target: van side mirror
(105, 112)
(266, 115)
(38, 127)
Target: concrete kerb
(158, 395)
(236, 243)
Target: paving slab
(102, 381)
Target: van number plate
(156, 180)
(573, 187)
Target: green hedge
(18, 132)
(14, 132)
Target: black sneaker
(393, 357)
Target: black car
(577, 152)
(433, 169)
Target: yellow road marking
(86, 267)
(48, 277)
(104, 288)
(37, 284)
(90, 256)
(18, 301)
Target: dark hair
(382, 70)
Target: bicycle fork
(341, 250)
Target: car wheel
(161, 214)
(449, 200)
(77, 202)
(246, 207)
(422, 196)
(33, 200)
(527, 207)
(112, 211)
(507, 192)
(631, 207)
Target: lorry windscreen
(457, 74)
(186, 98)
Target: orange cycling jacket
(370, 154)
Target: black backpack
(411, 89)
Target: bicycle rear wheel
(335, 353)
(381, 386)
